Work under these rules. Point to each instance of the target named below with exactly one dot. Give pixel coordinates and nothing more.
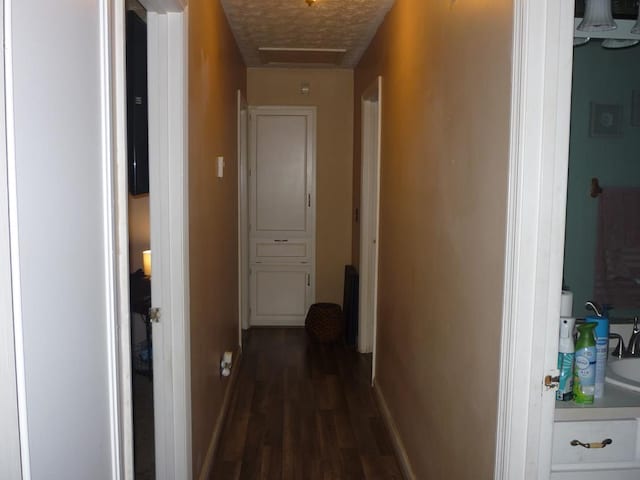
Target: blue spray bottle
(601, 333)
(566, 356)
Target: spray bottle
(601, 333)
(566, 357)
(584, 372)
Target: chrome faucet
(619, 351)
(633, 349)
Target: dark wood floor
(304, 411)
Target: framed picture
(606, 120)
(635, 108)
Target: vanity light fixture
(614, 43)
(310, 2)
(636, 28)
(577, 41)
(597, 17)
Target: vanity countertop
(616, 403)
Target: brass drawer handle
(602, 444)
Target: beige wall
(332, 93)
(446, 84)
(216, 71)
(139, 232)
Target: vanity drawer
(633, 474)
(622, 450)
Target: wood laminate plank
(303, 411)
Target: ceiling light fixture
(310, 2)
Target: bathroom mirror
(604, 144)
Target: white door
(281, 214)
(370, 212)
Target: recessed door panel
(293, 250)
(280, 294)
(281, 173)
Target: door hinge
(552, 381)
(154, 314)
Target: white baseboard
(222, 418)
(398, 446)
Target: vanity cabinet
(614, 420)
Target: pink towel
(617, 272)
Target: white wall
(61, 220)
(10, 438)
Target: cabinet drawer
(285, 250)
(633, 474)
(622, 450)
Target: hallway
(302, 410)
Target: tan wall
(332, 93)
(139, 232)
(446, 84)
(216, 71)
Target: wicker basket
(325, 322)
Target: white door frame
(371, 108)
(167, 93)
(538, 163)
(10, 463)
(243, 216)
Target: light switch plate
(220, 167)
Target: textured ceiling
(327, 24)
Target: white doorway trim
(167, 64)
(538, 161)
(243, 216)
(371, 106)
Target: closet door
(282, 214)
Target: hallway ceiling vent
(320, 57)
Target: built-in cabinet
(281, 214)
(614, 420)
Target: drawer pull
(602, 444)
(281, 241)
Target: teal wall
(608, 77)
